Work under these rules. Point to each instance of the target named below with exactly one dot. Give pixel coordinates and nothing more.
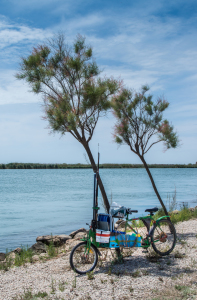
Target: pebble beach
(141, 276)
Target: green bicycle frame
(91, 235)
(146, 241)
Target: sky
(142, 42)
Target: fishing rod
(97, 175)
(95, 197)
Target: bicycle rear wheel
(82, 259)
(163, 238)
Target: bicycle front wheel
(83, 259)
(163, 238)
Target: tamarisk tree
(140, 125)
(74, 96)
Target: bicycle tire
(83, 263)
(163, 237)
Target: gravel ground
(141, 276)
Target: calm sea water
(40, 202)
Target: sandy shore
(139, 277)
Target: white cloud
(14, 33)
(13, 91)
(17, 39)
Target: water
(40, 202)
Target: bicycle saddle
(151, 210)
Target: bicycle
(160, 234)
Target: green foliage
(139, 118)
(29, 296)
(67, 77)
(51, 250)
(87, 166)
(62, 286)
(184, 214)
(90, 275)
(24, 256)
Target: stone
(64, 238)
(35, 258)
(43, 255)
(192, 209)
(71, 243)
(38, 247)
(176, 211)
(72, 234)
(2, 256)
(80, 235)
(11, 256)
(17, 250)
(57, 240)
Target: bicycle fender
(161, 218)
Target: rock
(17, 250)
(38, 247)
(72, 234)
(43, 255)
(2, 256)
(11, 256)
(80, 235)
(71, 243)
(57, 240)
(64, 238)
(176, 211)
(35, 258)
(192, 209)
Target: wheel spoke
(164, 237)
(83, 259)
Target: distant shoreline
(87, 166)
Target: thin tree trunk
(153, 184)
(94, 167)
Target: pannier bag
(102, 236)
(125, 240)
(105, 222)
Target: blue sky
(144, 42)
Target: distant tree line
(86, 166)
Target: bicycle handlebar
(129, 211)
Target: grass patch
(51, 250)
(90, 275)
(103, 280)
(119, 257)
(53, 286)
(24, 256)
(152, 256)
(184, 214)
(175, 293)
(62, 286)
(136, 274)
(29, 296)
(177, 254)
